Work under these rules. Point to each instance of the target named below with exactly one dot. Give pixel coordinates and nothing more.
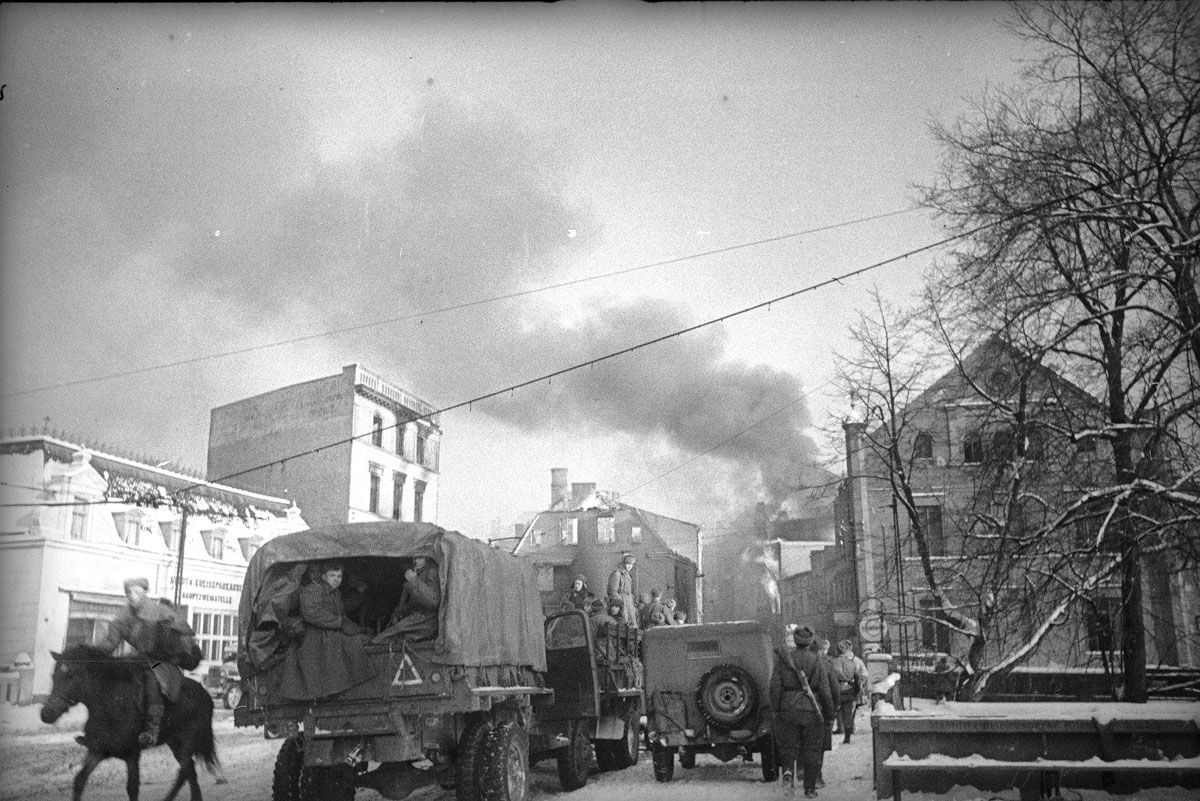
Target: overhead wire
(452, 307)
(549, 377)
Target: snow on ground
(37, 763)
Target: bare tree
(1106, 124)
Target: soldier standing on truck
(416, 616)
(620, 586)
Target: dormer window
(998, 381)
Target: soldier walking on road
(800, 703)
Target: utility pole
(179, 557)
(699, 575)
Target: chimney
(560, 490)
(579, 491)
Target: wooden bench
(1037, 779)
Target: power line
(549, 377)
(453, 307)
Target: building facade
(956, 453)
(586, 532)
(77, 522)
(357, 448)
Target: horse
(111, 689)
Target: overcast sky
(185, 181)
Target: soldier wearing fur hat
(801, 703)
(620, 586)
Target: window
(400, 429)
(418, 501)
(569, 531)
(79, 519)
(169, 534)
(923, 446)
(545, 578)
(397, 495)
(998, 381)
(605, 530)
(373, 498)
(1102, 615)
(973, 448)
(537, 538)
(934, 636)
(635, 534)
(930, 520)
(422, 435)
(377, 431)
(216, 544)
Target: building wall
(395, 458)
(282, 423)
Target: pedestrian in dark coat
(798, 724)
(578, 597)
(330, 657)
(416, 615)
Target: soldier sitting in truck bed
(416, 616)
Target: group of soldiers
(648, 611)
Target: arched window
(973, 448)
(923, 446)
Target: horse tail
(206, 749)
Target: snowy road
(37, 763)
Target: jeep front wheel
(687, 758)
(505, 769)
(770, 760)
(664, 763)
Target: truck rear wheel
(285, 781)
(625, 750)
(505, 768)
(664, 763)
(468, 761)
(575, 760)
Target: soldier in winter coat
(620, 585)
(850, 677)
(800, 706)
(578, 597)
(416, 616)
(157, 633)
(330, 657)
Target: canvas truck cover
(490, 613)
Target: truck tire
(575, 760)
(233, 696)
(625, 750)
(469, 758)
(327, 784)
(285, 781)
(664, 763)
(605, 755)
(687, 758)
(505, 768)
(727, 695)
(770, 760)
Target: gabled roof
(677, 535)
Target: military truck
(465, 710)
(596, 676)
(706, 692)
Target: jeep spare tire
(727, 696)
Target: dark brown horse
(111, 689)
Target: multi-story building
(77, 521)
(346, 448)
(991, 549)
(586, 532)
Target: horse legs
(89, 764)
(187, 772)
(133, 777)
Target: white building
(359, 447)
(76, 522)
